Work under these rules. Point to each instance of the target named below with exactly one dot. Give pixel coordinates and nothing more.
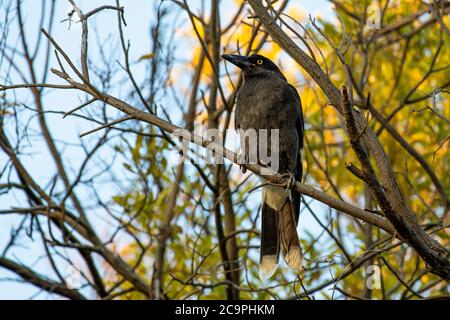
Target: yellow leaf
(147, 56)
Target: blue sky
(138, 15)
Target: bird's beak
(239, 61)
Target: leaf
(147, 56)
(136, 150)
(5, 112)
(128, 167)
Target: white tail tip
(267, 267)
(294, 259)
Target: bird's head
(255, 65)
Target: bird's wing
(236, 118)
(300, 126)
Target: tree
(374, 90)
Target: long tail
(290, 244)
(270, 243)
(278, 230)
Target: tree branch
(39, 280)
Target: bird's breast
(260, 105)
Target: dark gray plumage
(267, 101)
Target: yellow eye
(260, 62)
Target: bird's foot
(243, 161)
(291, 180)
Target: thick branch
(417, 238)
(40, 281)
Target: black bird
(267, 101)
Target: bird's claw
(243, 164)
(291, 180)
